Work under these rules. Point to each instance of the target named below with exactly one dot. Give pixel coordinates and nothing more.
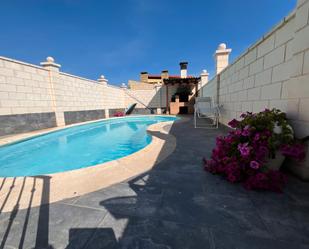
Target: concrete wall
(256, 79)
(78, 94)
(33, 97)
(210, 89)
(24, 88)
(274, 72)
(153, 98)
(149, 98)
(138, 85)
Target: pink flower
(261, 177)
(239, 156)
(261, 152)
(244, 149)
(254, 165)
(243, 115)
(225, 160)
(118, 114)
(245, 133)
(238, 132)
(267, 133)
(257, 137)
(295, 151)
(233, 123)
(229, 139)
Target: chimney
(183, 69)
(164, 75)
(222, 57)
(144, 77)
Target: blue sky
(120, 38)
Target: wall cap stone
(22, 63)
(102, 80)
(50, 64)
(204, 73)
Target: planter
(275, 163)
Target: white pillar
(222, 57)
(204, 77)
(106, 113)
(53, 69)
(204, 80)
(103, 81)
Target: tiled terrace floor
(176, 205)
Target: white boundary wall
(26, 88)
(29, 89)
(257, 79)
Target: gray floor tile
(223, 240)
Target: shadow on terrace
(174, 205)
(16, 225)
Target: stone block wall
(74, 93)
(34, 97)
(153, 98)
(210, 89)
(24, 88)
(149, 98)
(138, 85)
(257, 79)
(256, 85)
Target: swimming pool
(77, 147)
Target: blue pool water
(77, 147)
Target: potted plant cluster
(254, 150)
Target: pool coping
(63, 185)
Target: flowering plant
(242, 155)
(118, 114)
